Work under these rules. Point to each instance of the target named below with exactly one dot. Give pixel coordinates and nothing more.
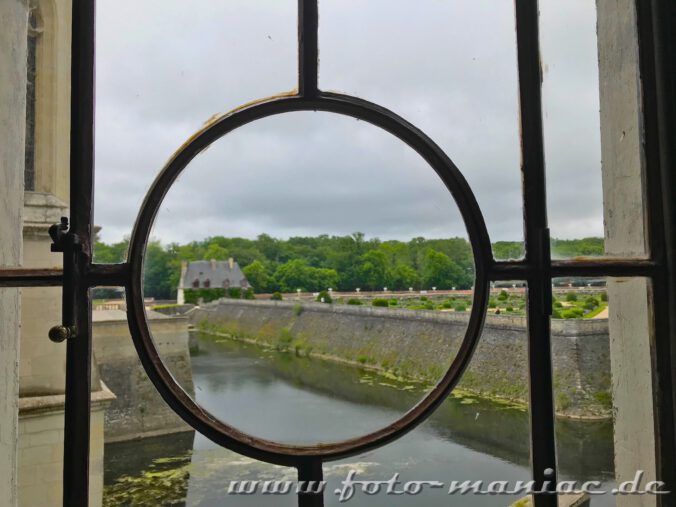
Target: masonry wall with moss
(421, 344)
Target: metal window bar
(79, 274)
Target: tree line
(343, 263)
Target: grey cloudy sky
(449, 66)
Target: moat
(294, 399)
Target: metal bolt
(61, 333)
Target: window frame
(657, 49)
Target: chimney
(213, 264)
(231, 263)
(184, 270)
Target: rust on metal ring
(181, 402)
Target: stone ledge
(573, 327)
(34, 406)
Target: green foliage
(166, 307)
(276, 296)
(503, 296)
(460, 307)
(258, 276)
(439, 270)
(423, 298)
(355, 302)
(604, 296)
(340, 262)
(492, 303)
(110, 254)
(429, 306)
(284, 339)
(193, 296)
(446, 305)
(572, 313)
(234, 292)
(592, 301)
(157, 279)
(576, 247)
(556, 314)
(571, 297)
(165, 482)
(593, 313)
(296, 274)
(563, 401)
(324, 297)
(374, 270)
(558, 304)
(504, 250)
(216, 252)
(403, 276)
(509, 309)
(297, 309)
(394, 302)
(604, 398)
(249, 294)
(380, 302)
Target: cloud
(448, 67)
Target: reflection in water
(292, 399)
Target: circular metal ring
(181, 402)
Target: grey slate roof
(217, 272)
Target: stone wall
(14, 15)
(422, 344)
(138, 410)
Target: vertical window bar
(77, 259)
(543, 446)
(657, 53)
(310, 476)
(308, 52)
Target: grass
(565, 305)
(596, 311)
(164, 307)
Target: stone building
(211, 274)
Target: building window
(196, 284)
(34, 31)
(207, 283)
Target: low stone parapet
(422, 344)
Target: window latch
(68, 243)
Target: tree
(373, 271)
(403, 277)
(438, 270)
(342, 262)
(157, 273)
(296, 274)
(216, 252)
(269, 247)
(111, 254)
(291, 276)
(258, 276)
(508, 250)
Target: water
(298, 400)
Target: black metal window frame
(657, 50)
